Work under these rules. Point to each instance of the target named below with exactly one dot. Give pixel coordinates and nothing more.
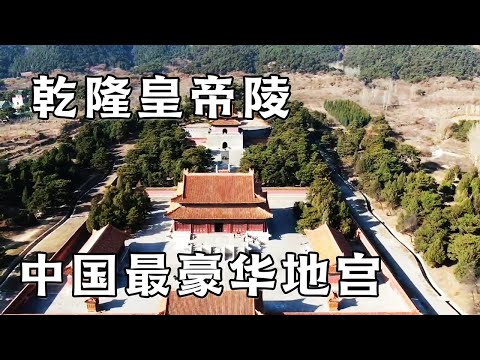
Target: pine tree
(25, 197)
(435, 254)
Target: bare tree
(441, 117)
(474, 144)
(442, 124)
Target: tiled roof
(240, 212)
(107, 240)
(198, 125)
(222, 122)
(328, 243)
(229, 303)
(110, 240)
(219, 188)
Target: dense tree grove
(220, 59)
(390, 172)
(161, 154)
(291, 157)
(348, 141)
(408, 62)
(95, 137)
(347, 112)
(188, 58)
(461, 129)
(381, 159)
(45, 58)
(121, 206)
(154, 58)
(8, 53)
(324, 205)
(414, 62)
(38, 185)
(298, 58)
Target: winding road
(408, 267)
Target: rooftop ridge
(216, 174)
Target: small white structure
(224, 137)
(18, 101)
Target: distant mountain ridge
(407, 62)
(414, 62)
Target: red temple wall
(239, 228)
(257, 226)
(178, 226)
(229, 226)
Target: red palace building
(219, 202)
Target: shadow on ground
(346, 303)
(430, 166)
(283, 223)
(115, 303)
(297, 305)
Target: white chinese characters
(213, 93)
(46, 93)
(147, 275)
(94, 275)
(108, 96)
(307, 274)
(160, 98)
(41, 273)
(358, 275)
(266, 95)
(249, 270)
(200, 273)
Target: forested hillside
(408, 62)
(414, 62)
(7, 54)
(44, 58)
(444, 220)
(188, 58)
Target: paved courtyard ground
(155, 238)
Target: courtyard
(155, 237)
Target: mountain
(414, 62)
(408, 62)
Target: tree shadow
(153, 229)
(37, 305)
(115, 303)
(147, 247)
(297, 305)
(346, 303)
(283, 223)
(430, 167)
(10, 244)
(82, 208)
(159, 206)
(360, 205)
(396, 135)
(382, 278)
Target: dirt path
(462, 294)
(16, 241)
